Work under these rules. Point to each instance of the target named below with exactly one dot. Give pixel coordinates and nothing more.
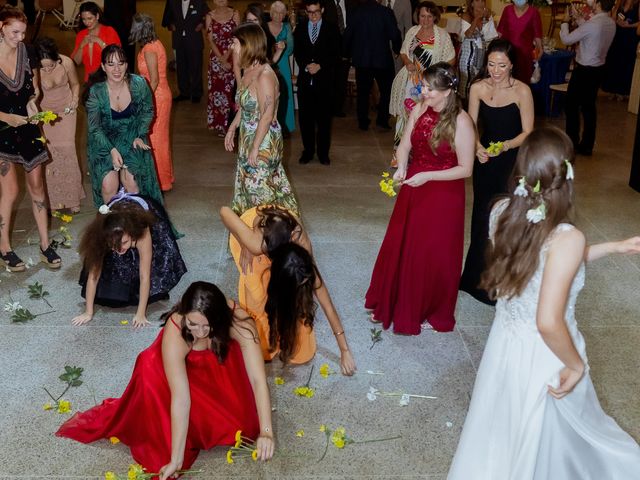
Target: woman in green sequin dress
(119, 112)
(260, 176)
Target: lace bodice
(518, 314)
(423, 156)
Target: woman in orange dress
(268, 243)
(152, 65)
(91, 41)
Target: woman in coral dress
(152, 65)
(60, 94)
(415, 277)
(220, 22)
(199, 382)
(254, 237)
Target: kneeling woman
(130, 257)
(199, 382)
(278, 279)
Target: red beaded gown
(415, 277)
(222, 402)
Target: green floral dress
(108, 129)
(266, 184)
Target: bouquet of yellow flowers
(495, 148)
(244, 447)
(44, 117)
(388, 185)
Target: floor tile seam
(466, 349)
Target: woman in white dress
(534, 414)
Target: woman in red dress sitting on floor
(416, 275)
(200, 381)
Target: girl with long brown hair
(130, 257)
(534, 412)
(415, 278)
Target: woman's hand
(411, 68)
(116, 159)
(139, 143)
(169, 470)
(265, 446)
(347, 363)
(629, 246)
(229, 139)
(246, 261)
(140, 320)
(281, 45)
(82, 319)
(254, 157)
(32, 108)
(226, 65)
(482, 154)
(417, 180)
(15, 120)
(569, 378)
(400, 175)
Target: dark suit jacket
(325, 52)
(195, 16)
(331, 10)
(372, 28)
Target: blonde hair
(253, 44)
(441, 76)
(277, 6)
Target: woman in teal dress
(260, 176)
(282, 51)
(119, 112)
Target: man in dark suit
(185, 18)
(317, 52)
(372, 28)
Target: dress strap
(175, 324)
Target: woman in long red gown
(416, 275)
(206, 356)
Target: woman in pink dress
(416, 275)
(152, 65)
(221, 22)
(521, 25)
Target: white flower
(370, 372)
(104, 209)
(12, 306)
(570, 174)
(449, 424)
(521, 190)
(404, 400)
(30, 263)
(535, 215)
(372, 394)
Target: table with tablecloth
(554, 67)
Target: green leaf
(76, 383)
(22, 315)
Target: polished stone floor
(346, 215)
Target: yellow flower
(64, 406)
(239, 436)
(254, 455)
(229, 456)
(495, 148)
(134, 470)
(124, 322)
(110, 476)
(300, 433)
(338, 442)
(42, 139)
(66, 218)
(323, 428)
(47, 406)
(114, 440)
(48, 116)
(385, 174)
(279, 381)
(324, 370)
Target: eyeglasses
(314, 12)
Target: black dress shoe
(325, 160)
(304, 159)
(195, 99)
(180, 98)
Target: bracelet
(267, 429)
(337, 334)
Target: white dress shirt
(594, 37)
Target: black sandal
(13, 262)
(50, 257)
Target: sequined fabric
(423, 156)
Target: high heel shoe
(50, 257)
(12, 262)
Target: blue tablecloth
(554, 67)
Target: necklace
(495, 88)
(117, 94)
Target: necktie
(314, 32)
(340, 17)
(389, 4)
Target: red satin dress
(416, 274)
(222, 402)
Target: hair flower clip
(570, 174)
(536, 215)
(104, 209)
(521, 190)
(536, 189)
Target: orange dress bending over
(252, 296)
(159, 136)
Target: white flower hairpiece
(104, 209)
(570, 174)
(536, 215)
(521, 190)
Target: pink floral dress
(220, 80)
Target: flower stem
(377, 439)
(309, 379)
(65, 391)
(326, 446)
(49, 393)
(44, 313)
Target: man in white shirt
(594, 38)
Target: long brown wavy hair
(290, 296)
(442, 76)
(277, 225)
(514, 256)
(105, 232)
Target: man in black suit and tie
(372, 28)
(317, 52)
(185, 19)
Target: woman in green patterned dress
(260, 177)
(119, 112)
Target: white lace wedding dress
(514, 429)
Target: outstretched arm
(92, 284)
(145, 250)
(247, 237)
(625, 247)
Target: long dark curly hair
(277, 225)
(290, 296)
(105, 232)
